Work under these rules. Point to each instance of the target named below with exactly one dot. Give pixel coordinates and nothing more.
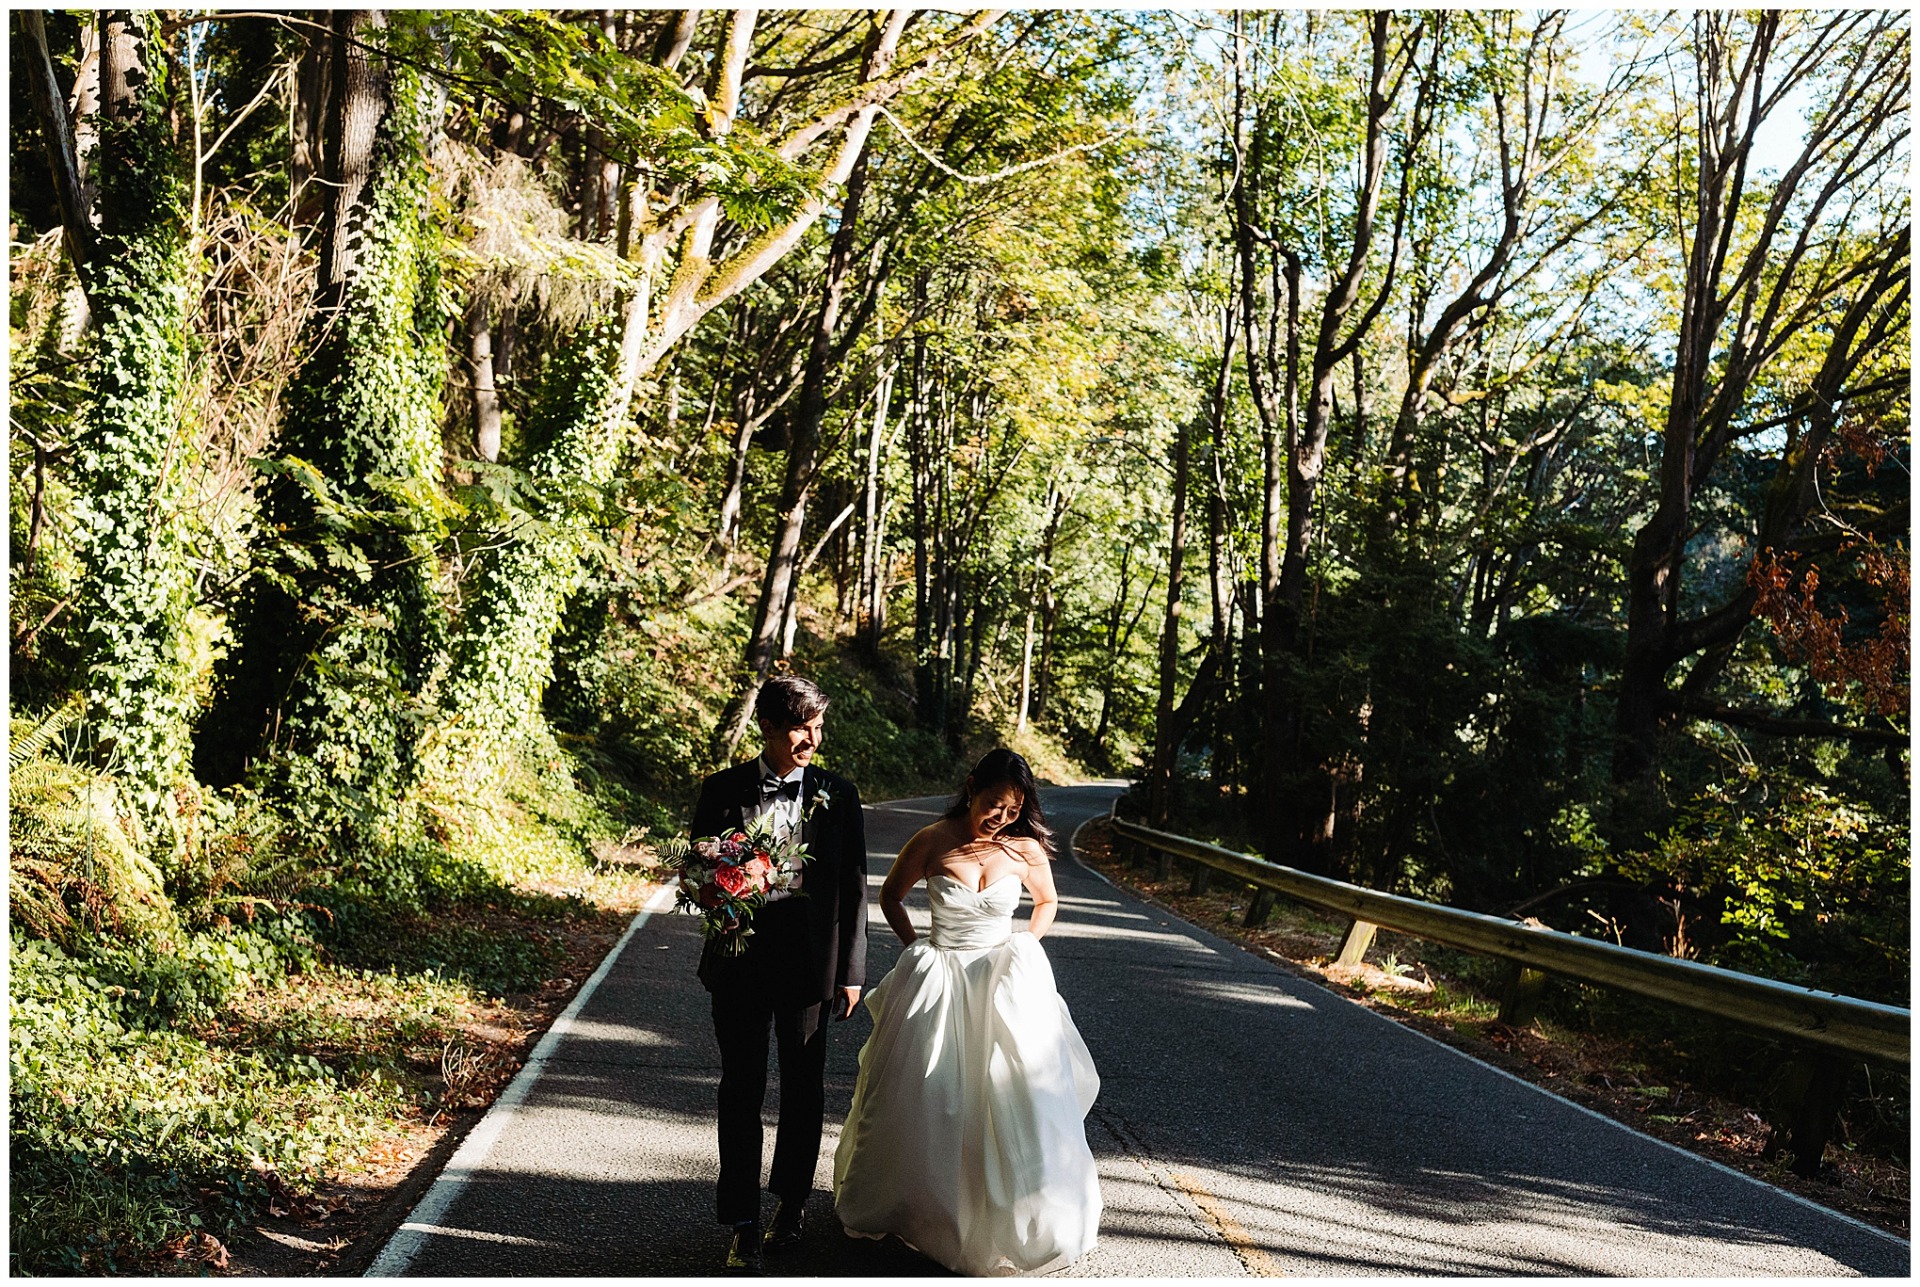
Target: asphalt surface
(1249, 1124)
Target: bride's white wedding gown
(966, 1137)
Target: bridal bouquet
(725, 879)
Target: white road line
(1073, 849)
(424, 1221)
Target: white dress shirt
(781, 815)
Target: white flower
(822, 799)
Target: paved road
(1249, 1123)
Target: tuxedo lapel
(744, 795)
(809, 784)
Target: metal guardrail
(1825, 1020)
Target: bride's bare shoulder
(1031, 851)
(933, 840)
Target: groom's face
(792, 748)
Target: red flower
(709, 896)
(732, 880)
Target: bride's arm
(1037, 875)
(908, 870)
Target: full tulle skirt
(967, 1134)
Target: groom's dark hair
(788, 701)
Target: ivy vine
(501, 659)
(130, 458)
(343, 629)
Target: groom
(806, 957)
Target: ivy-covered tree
(341, 628)
(125, 224)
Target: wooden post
(1810, 1089)
(1520, 997)
(1163, 869)
(1354, 946)
(1259, 909)
(1202, 878)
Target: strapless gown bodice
(967, 1135)
(965, 918)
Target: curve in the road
(1249, 1123)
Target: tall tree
(501, 656)
(125, 232)
(1762, 265)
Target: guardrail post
(1812, 1087)
(1353, 948)
(1259, 909)
(1163, 869)
(1202, 878)
(1520, 997)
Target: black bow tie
(771, 786)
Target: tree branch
(1784, 725)
(76, 213)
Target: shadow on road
(1247, 1120)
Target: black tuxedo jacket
(802, 950)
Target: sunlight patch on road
(1246, 994)
(625, 1034)
(478, 1235)
(1161, 938)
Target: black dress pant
(742, 1021)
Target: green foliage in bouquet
(726, 879)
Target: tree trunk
(780, 586)
(135, 586)
(1166, 741)
(365, 403)
(306, 124)
(870, 613)
(486, 400)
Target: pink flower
(733, 881)
(759, 869)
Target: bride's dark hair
(1002, 767)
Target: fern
(71, 862)
(33, 742)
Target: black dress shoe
(743, 1253)
(788, 1219)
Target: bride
(966, 1135)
